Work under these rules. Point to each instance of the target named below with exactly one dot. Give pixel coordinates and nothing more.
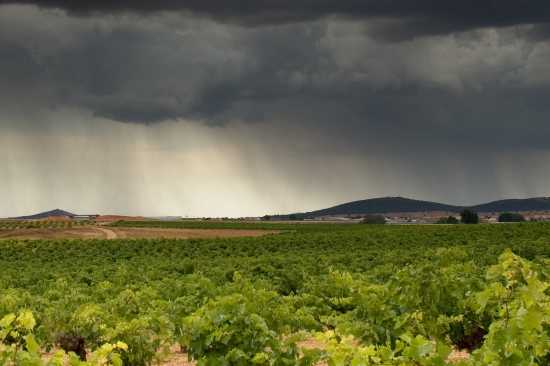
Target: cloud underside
(421, 16)
(313, 102)
(369, 72)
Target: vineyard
(41, 224)
(315, 294)
(303, 226)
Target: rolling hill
(45, 215)
(381, 206)
(515, 205)
(400, 204)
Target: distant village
(402, 218)
(430, 217)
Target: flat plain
(404, 295)
(106, 232)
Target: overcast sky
(234, 108)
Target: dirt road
(111, 233)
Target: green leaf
(26, 320)
(7, 320)
(31, 344)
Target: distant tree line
(467, 216)
(448, 220)
(511, 217)
(374, 220)
(471, 217)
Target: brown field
(97, 232)
(113, 218)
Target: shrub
(448, 220)
(18, 346)
(229, 331)
(517, 298)
(374, 219)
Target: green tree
(374, 219)
(469, 217)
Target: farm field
(36, 230)
(311, 294)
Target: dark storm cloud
(149, 73)
(334, 76)
(397, 97)
(540, 32)
(416, 17)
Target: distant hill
(386, 205)
(515, 205)
(381, 206)
(45, 215)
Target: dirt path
(152, 233)
(110, 234)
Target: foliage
(517, 299)
(374, 219)
(18, 346)
(230, 331)
(41, 224)
(408, 351)
(469, 217)
(451, 220)
(266, 223)
(378, 294)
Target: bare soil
(113, 218)
(87, 232)
(179, 358)
(96, 232)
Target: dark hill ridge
(515, 205)
(400, 204)
(45, 215)
(383, 205)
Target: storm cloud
(435, 90)
(422, 16)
